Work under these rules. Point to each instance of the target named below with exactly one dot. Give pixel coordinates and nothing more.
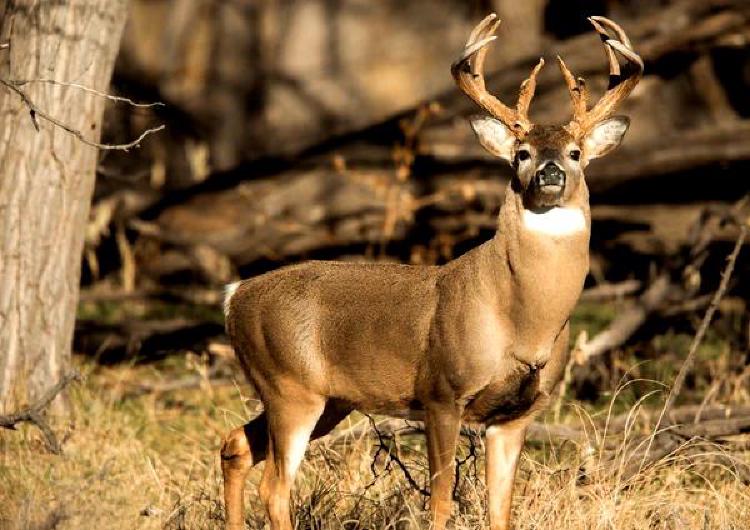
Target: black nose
(550, 175)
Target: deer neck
(535, 267)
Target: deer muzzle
(550, 178)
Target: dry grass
(151, 462)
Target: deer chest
(505, 400)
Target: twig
(119, 99)
(460, 462)
(608, 291)
(698, 338)
(34, 111)
(720, 428)
(34, 413)
(383, 447)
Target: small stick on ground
(34, 413)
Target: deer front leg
(442, 426)
(503, 446)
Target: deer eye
(523, 154)
(575, 154)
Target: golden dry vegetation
(138, 455)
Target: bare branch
(391, 456)
(34, 413)
(35, 112)
(698, 338)
(661, 289)
(715, 421)
(608, 291)
(119, 99)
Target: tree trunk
(46, 178)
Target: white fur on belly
(555, 222)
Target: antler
(468, 71)
(621, 84)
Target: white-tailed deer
(482, 339)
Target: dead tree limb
(539, 432)
(608, 291)
(715, 421)
(627, 323)
(34, 413)
(35, 112)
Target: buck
(481, 340)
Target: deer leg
(242, 448)
(247, 445)
(290, 424)
(503, 446)
(442, 426)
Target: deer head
(549, 160)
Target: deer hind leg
(290, 424)
(245, 446)
(442, 425)
(241, 449)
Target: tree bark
(46, 178)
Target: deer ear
(605, 136)
(494, 136)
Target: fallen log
(142, 339)
(324, 209)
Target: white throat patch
(556, 221)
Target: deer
(480, 340)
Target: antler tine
(614, 65)
(479, 32)
(528, 88)
(481, 37)
(622, 81)
(577, 91)
(468, 71)
(614, 26)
